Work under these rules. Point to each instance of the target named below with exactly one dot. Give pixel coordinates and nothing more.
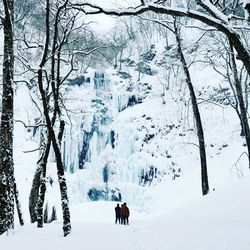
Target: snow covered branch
(212, 10)
(161, 22)
(85, 53)
(156, 8)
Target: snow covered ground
(218, 221)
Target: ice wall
(103, 147)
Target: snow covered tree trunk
(40, 170)
(63, 189)
(34, 193)
(42, 184)
(200, 134)
(60, 168)
(40, 200)
(6, 127)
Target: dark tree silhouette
(6, 126)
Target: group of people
(121, 214)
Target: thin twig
(30, 126)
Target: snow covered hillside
(133, 140)
(218, 221)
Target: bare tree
(237, 79)
(8, 190)
(197, 116)
(211, 16)
(200, 134)
(240, 98)
(64, 42)
(52, 139)
(58, 25)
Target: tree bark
(200, 133)
(6, 126)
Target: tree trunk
(200, 134)
(18, 205)
(37, 193)
(60, 168)
(6, 127)
(63, 189)
(34, 192)
(243, 110)
(50, 122)
(38, 178)
(60, 134)
(42, 184)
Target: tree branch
(31, 151)
(30, 126)
(220, 22)
(212, 10)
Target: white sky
(103, 23)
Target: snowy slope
(219, 221)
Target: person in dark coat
(125, 214)
(118, 214)
(122, 217)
